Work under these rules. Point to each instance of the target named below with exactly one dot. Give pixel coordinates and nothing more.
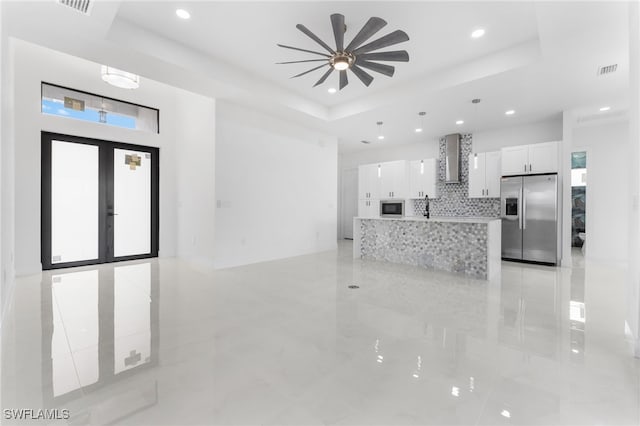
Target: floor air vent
(82, 6)
(608, 69)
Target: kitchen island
(469, 246)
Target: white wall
(276, 188)
(34, 64)
(195, 183)
(607, 223)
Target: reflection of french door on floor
(99, 201)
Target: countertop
(435, 219)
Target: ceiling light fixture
(477, 33)
(605, 108)
(183, 14)
(380, 135)
(421, 126)
(119, 78)
(459, 122)
(332, 90)
(510, 112)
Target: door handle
(112, 214)
(520, 208)
(525, 167)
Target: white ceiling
(538, 58)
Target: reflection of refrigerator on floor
(529, 209)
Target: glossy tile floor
(288, 343)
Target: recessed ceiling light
(381, 137)
(510, 112)
(505, 413)
(459, 122)
(183, 14)
(332, 90)
(477, 33)
(605, 108)
(418, 130)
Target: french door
(99, 201)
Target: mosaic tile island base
(468, 246)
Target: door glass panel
(132, 202)
(74, 202)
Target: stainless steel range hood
(452, 158)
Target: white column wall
(633, 158)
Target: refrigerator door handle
(524, 209)
(520, 208)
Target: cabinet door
(363, 183)
(477, 168)
(393, 179)
(515, 160)
(543, 157)
(430, 178)
(363, 208)
(415, 179)
(492, 174)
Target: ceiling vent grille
(608, 69)
(82, 6)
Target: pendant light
(420, 127)
(380, 134)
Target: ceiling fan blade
(364, 76)
(304, 50)
(390, 39)
(308, 71)
(314, 37)
(343, 79)
(297, 62)
(372, 26)
(394, 56)
(337, 22)
(387, 70)
(324, 77)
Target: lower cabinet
(369, 208)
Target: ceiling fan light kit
(356, 55)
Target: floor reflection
(99, 326)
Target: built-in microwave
(393, 208)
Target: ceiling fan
(355, 56)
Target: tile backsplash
(453, 199)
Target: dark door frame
(105, 200)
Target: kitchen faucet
(426, 206)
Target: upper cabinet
(423, 178)
(530, 159)
(484, 174)
(368, 182)
(394, 180)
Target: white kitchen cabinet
(530, 159)
(484, 174)
(543, 157)
(369, 208)
(368, 182)
(394, 179)
(423, 178)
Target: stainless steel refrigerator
(529, 210)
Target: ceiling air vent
(608, 69)
(82, 6)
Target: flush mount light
(332, 90)
(181, 13)
(605, 108)
(477, 33)
(505, 413)
(459, 122)
(119, 78)
(510, 112)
